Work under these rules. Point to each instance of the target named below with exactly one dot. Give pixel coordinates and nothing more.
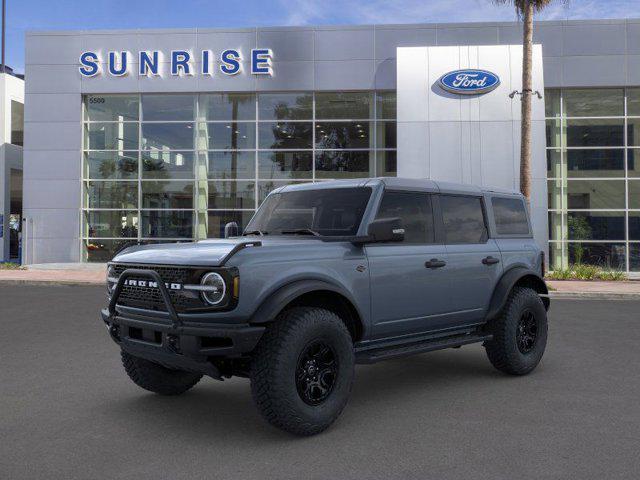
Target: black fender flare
(280, 298)
(506, 284)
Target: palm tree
(525, 10)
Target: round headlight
(214, 288)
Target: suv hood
(209, 253)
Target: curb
(593, 296)
(50, 283)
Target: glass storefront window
(633, 102)
(167, 195)
(112, 108)
(344, 105)
(167, 224)
(595, 194)
(285, 106)
(595, 133)
(590, 102)
(609, 256)
(386, 105)
(343, 164)
(633, 132)
(111, 136)
(166, 165)
(557, 222)
(283, 165)
(168, 136)
(177, 167)
(555, 133)
(634, 194)
(110, 194)
(595, 163)
(334, 135)
(168, 107)
(634, 225)
(232, 195)
(229, 165)
(596, 225)
(111, 223)
(227, 106)
(633, 162)
(554, 163)
(285, 135)
(634, 257)
(228, 136)
(552, 103)
(110, 165)
(555, 199)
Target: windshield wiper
(255, 232)
(300, 231)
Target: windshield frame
(263, 215)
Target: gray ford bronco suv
(328, 275)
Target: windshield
(326, 212)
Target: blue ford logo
(469, 82)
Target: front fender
(284, 295)
(508, 280)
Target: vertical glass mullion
(256, 175)
(626, 184)
(140, 147)
(313, 137)
(375, 135)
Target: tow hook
(114, 331)
(173, 343)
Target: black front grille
(150, 297)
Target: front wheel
(302, 370)
(519, 333)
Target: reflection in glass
(387, 163)
(112, 108)
(634, 257)
(596, 225)
(595, 133)
(232, 165)
(167, 224)
(634, 194)
(168, 107)
(386, 105)
(111, 165)
(347, 105)
(332, 135)
(232, 194)
(168, 136)
(554, 191)
(633, 102)
(633, 162)
(120, 194)
(281, 135)
(218, 219)
(556, 231)
(554, 133)
(285, 106)
(264, 188)
(228, 136)
(386, 136)
(109, 223)
(634, 225)
(167, 164)
(591, 102)
(633, 132)
(103, 250)
(111, 136)
(595, 163)
(343, 164)
(595, 194)
(173, 194)
(227, 106)
(285, 165)
(609, 256)
(552, 102)
(554, 163)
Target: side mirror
(231, 230)
(386, 230)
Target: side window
(414, 209)
(510, 215)
(463, 219)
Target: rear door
(475, 262)
(408, 279)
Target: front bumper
(165, 338)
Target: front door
(408, 279)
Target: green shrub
(560, 274)
(612, 275)
(10, 266)
(586, 272)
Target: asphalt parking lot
(68, 411)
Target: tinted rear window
(463, 219)
(510, 215)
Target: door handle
(490, 260)
(435, 263)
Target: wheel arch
(516, 277)
(314, 293)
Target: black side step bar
(385, 353)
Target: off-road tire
(503, 351)
(276, 361)
(156, 378)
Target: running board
(385, 353)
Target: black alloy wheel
(316, 372)
(527, 332)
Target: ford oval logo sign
(469, 82)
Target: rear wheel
(519, 333)
(156, 378)
(302, 370)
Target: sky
(25, 15)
